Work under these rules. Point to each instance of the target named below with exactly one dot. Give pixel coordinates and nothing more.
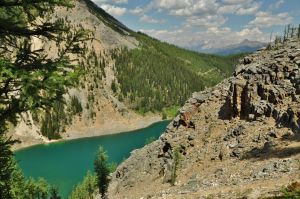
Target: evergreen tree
(36, 189)
(86, 188)
(7, 165)
(54, 193)
(285, 34)
(102, 170)
(176, 161)
(29, 79)
(27, 189)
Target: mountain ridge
(107, 18)
(245, 46)
(103, 91)
(238, 139)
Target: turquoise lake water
(64, 164)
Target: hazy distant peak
(244, 46)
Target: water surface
(64, 164)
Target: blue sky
(205, 24)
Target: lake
(64, 164)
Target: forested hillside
(124, 74)
(158, 75)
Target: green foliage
(290, 194)
(89, 186)
(76, 107)
(113, 167)
(158, 75)
(114, 86)
(54, 193)
(170, 112)
(36, 189)
(164, 115)
(7, 167)
(176, 160)
(86, 189)
(29, 79)
(29, 189)
(292, 191)
(59, 116)
(102, 170)
(51, 124)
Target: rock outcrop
(238, 139)
(268, 85)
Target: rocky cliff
(238, 139)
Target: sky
(205, 24)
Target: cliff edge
(238, 139)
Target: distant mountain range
(243, 47)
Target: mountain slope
(114, 58)
(106, 18)
(171, 73)
(238, 139)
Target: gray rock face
(266, 84)
(232, 138)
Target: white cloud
(250, 10)
(213, 37)
(147, 19)
(202, 12)
(137, 11)
(205, 7)
(252, 32)
(170, 4)
(185, 7)
(267, 19)
(120, 1)
(239, 7)
(208, 21)
(237, 1)
(114, 10)
(99, 2)
(202, 21)
(276, 5)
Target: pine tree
(176, 161)
(54, 193)
(86, 189)
(285, 34)
(7, 165)
(38, 80)
(102, 170)
(288, 31)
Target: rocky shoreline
(94, 131)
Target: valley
(107, 89)
(91, 107)
(61, 163)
